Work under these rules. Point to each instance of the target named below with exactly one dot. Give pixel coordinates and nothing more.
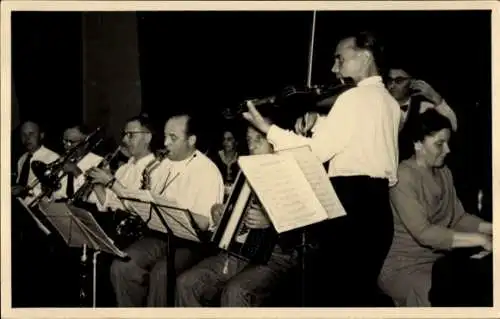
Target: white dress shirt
(359, 136)
(130, 176)
(443, 108)
(88, 161)
(195, 184)
(44, 155)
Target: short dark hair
(144, 120)
(367, 40)
(429, 123)
(34, 121)
(193, 125)
(84, 129)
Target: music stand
(168, 219)
(78, 228)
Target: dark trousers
(142, 280)
(352, 248)
(241, 285)
(460, 281)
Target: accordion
(233, 236)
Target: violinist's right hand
(305, 123)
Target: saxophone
(146, 174)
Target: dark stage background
(210, 60)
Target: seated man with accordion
(249, 278)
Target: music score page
(176, 218)
(316, 175)
(140, 203)
(283, 190)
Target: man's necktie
(405, 107)
(25, 170)
(70, 188)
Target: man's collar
(143, 160)
(41, 149)
(376, 79)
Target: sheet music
(62, 219)
(283, 190)
(95, 232)
(318, 179)
(37, 221)
(177, 219)
(141, 205)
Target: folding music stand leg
(303, 281)
(94, 278)
(171, 275)
(83, 276)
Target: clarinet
(84, 191)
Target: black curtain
(211, 60)
(47, 70)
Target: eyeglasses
(70, 142)
(398, 80)
(130, 134)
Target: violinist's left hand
(305, 123)
(255, 118)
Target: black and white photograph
(269, 154)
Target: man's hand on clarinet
(99, 176)
(255, 118)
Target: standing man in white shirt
(75, 177)
(32, 140)
(414, 97)
(187, 177)
(358, 139)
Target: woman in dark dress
(429, 221)
(226, 159)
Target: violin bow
(311, 50)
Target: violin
(317, 98)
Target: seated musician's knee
(128, 270)
(236, 295)
(188, 281)
(159, 271)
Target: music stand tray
(78, 228)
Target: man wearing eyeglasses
(75, 176)
(414, 97)
(187, 177)
(136, 141)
